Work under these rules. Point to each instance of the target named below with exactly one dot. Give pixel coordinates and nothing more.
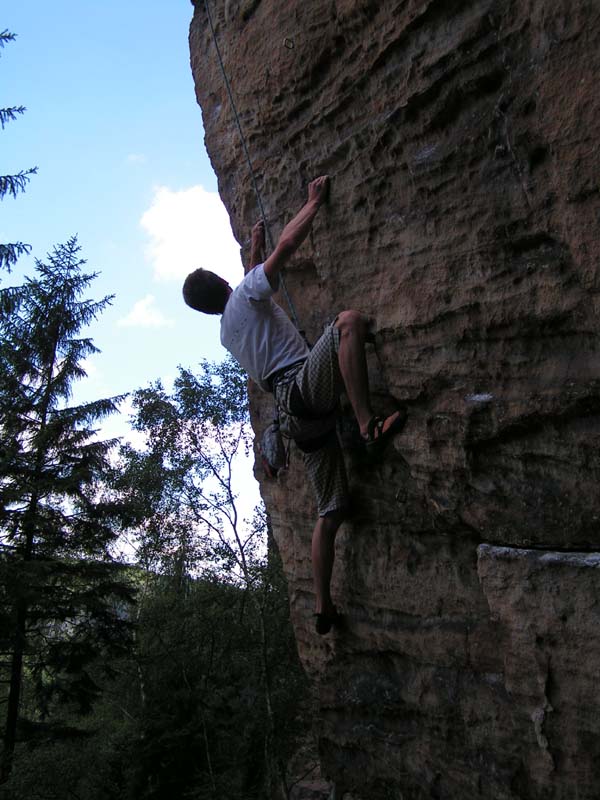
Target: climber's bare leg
(323, 555)
(353, 366)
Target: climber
(306, 383)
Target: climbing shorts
(307, 399)
(327, 473)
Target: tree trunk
(16, 670)
(14, 693)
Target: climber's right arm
(296, 231)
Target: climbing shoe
(326, 621)
(377, 437)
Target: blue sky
(113, 125)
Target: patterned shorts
(320, 384)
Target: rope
(288, 299)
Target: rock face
(462, 141)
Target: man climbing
(306, 383)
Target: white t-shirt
(257, 332)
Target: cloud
(145, 314)
(136, 158)
(89, 365)
(190, 229)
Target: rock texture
(461, 137)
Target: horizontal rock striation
(461, 137)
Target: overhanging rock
(461, 138)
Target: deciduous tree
(220, 635)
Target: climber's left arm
(257, 246)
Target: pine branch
(10, 252)
(13, 184)
(87, 413)
(10, 114)
(6, 36)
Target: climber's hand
(258, 236)
(318, 190)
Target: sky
(113, 126)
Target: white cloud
(190, 229)
(145, 314)
(136, 158)
(89, 365)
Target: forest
(145, 643)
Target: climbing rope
(250, 167)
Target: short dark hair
(205, 291)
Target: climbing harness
(273, 450)
(286, 294)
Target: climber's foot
(326, 620)
(380, 431)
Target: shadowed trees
(217, 632)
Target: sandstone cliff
(461, 137)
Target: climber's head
(206, 292)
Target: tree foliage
(194, 691)
(207, 699)
(13, 184)
(206, 736)
(182, 482)
(64, 599)
(218, 632)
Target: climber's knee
(351, 321)
(333, 519)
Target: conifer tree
(66, 596)
(12, 185)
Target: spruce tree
(12, 185)
(66, 598)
